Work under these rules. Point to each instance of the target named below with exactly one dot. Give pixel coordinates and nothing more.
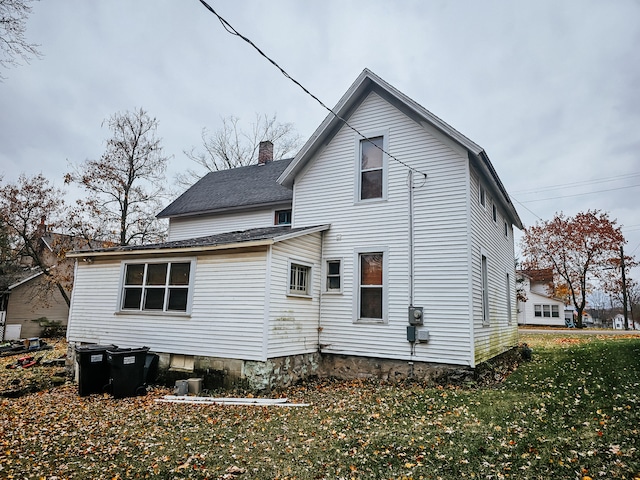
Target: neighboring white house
(619, 323)
(541, 308)
(322, 264)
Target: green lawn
(572, 412)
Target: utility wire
(575, 184)
(229, 28)
(578, 194)
(527, 208)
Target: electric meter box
(416, 316)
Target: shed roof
(222, 241)
(236, 188)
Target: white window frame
(384, 133)
(482, 195)
(509, 301)
(484, 284)
(282, 210)
(325, 276)
(190, 287)
(494, 212)
(307, 293)
(385, 285)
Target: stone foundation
(225, 373)
(346, 367)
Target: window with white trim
(333, 275)
(299, 279)
(156, 287)
(494, 213)
(482, 196)
(546, 311)
(485, 291)
(371, 178)
(282, 217)
(509, 318)
(371, 286)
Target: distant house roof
(233, 189)
(222, 241)
(541, 275)
(368, 82)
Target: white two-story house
(384, 247)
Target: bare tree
(127, 184)
(29, 210)
(233, 146)
(13, 25)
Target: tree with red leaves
(578, 249)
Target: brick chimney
(265, 152)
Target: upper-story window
(371, 168)
(282, 217)
(482, 196)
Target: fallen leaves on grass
(543, 422)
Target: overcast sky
(550, 89)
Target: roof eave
(197, 213)
(172, 250)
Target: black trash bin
(93, 368)
(151, 368)
(127, 367)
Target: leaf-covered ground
(572, 412)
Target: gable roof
(234, 189)
(368, 82)
(222, 241)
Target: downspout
(411, 287)
(319, 329)
(411, 269)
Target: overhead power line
(579, 194)
(576, 184)
(230, 29)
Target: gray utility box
(422, 335)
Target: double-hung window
(485, 291)
(156, 287)
(371, 167)
(371, 294)
(333, 276)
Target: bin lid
(127, 351)
(93, 347)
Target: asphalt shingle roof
(240, 187)
(229, 238)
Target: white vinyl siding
(499, 334)
(240, 309)
(441, 237)
(293, 320)
(205, 225)
(225, 321)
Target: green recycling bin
(93, 368)
(127, 371)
